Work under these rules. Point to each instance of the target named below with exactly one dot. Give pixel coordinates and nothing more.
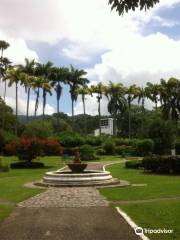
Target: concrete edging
(131, 223)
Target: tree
(43, 71)
(58, 76)
(117, 102)
(170, 99)
(6, 64)
(132, 93)
(29, 69)
(141, 99)
(99, 89)
(15, 76)
(122, 6)
(152, 92)
(3, 46)
(84, 91)
(75, 79)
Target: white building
(106, 127)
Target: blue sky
(135, 48)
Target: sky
(132, 49)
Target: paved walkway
(69, 213)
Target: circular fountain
(77, 176)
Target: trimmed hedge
(162, 164)
(145, 146)
(25, 164)
(134, 164)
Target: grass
(12, 183)
(153, 215)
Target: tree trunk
(27, 110)
(44, 102)
(99, 112)
(129, 120)
(84, 110)
(114, 125)
(5, 87)
(36, 104)
(16, 108)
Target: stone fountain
(76, 175)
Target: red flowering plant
(52, 148)
(30, 148)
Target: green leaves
(122, 6)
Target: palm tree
(46, 87)
(117, 101)
(152, 92)
(6, 64)
(58, 76)
(3, 46)
(141, 99)
(98, 89)
(132, 93)
(15, 76)
(28, 68)
(84, 91)
(74, 80)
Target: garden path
(69, 213)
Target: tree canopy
(122, 6)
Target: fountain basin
(62, 178)
(77, 167)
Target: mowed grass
(152, 215)
(12, 187)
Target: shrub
(124, 141)
(24, 164)
(3, 168)
(94, 141)
(145, 146)
(38, 129)
(87, 152)
(100, 151)
(109, 147)
(71, 140)
(162, 164)
(52, 148)
(177, 146)
(135, 164)
(125, 150)
(30, 148)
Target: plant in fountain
(76, 165)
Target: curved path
(70, 213)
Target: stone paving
(67, 197)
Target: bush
(125, 150)
(52, 148)
(94, 141)
(124, 141)
(109, 147)
(24, 164)
(71, 140)
(177, 146)
(145, 146)
(38, 129)
(87, 152)
(100, 151)
(135, 164)
(30, 148)
(162, 164)
(3, 168)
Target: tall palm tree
(44, 71)
(84, 91)
(29, 69)
(132, 93)
(6, 64)
(152, 92)
(141, 99)
(98, 89)
(58, 76)
(15, 76)
(3, 46)
(117, 101)
(75, 79)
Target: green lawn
(158, 214)
(11, 183)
